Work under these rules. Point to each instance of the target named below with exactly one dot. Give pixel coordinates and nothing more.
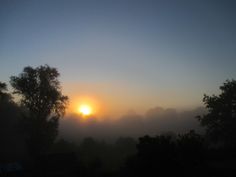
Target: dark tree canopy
(3, 87)
(4, 96)
(40, 95)
(10, 138)
(220, 121)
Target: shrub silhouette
(154, 157)
(164, 156)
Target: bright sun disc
(85, 110)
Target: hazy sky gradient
(127, 54)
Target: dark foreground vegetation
(30, 147)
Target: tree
(3, 95)
(41, 97)
(10, 138)
(3, 87)
(220, 121)
(191, 149)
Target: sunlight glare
(85, 110)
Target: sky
(123, 55)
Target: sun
(85, 110)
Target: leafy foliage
(4, 96)
(220, 121)
(10, 137)
(40, 95)
(3, 87)
(165, 156)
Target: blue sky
(151, 53)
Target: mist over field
(155, 121)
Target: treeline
(30, 146)
(187, 154)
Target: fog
(155, 121)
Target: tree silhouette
(165, 155)
(155, 156)
(3, 87)
(191, 149)
(220, 121)
(4, 96)
(10, 138)
(41, 97)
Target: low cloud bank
(156, 120)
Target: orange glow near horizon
(85, 106)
